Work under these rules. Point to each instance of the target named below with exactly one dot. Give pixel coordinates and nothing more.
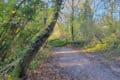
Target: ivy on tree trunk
(40, 40)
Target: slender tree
(72, 21)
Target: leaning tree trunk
(40, 40)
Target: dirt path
(75, 64)
(80, 65)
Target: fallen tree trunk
(40, 40)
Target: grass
(60, 43)
(57, 43)
(112, 55)
(109, 49)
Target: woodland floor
(74, 64)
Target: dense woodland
(27, 27)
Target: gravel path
(80, 65)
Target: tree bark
(40, 40)
(72, 21)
